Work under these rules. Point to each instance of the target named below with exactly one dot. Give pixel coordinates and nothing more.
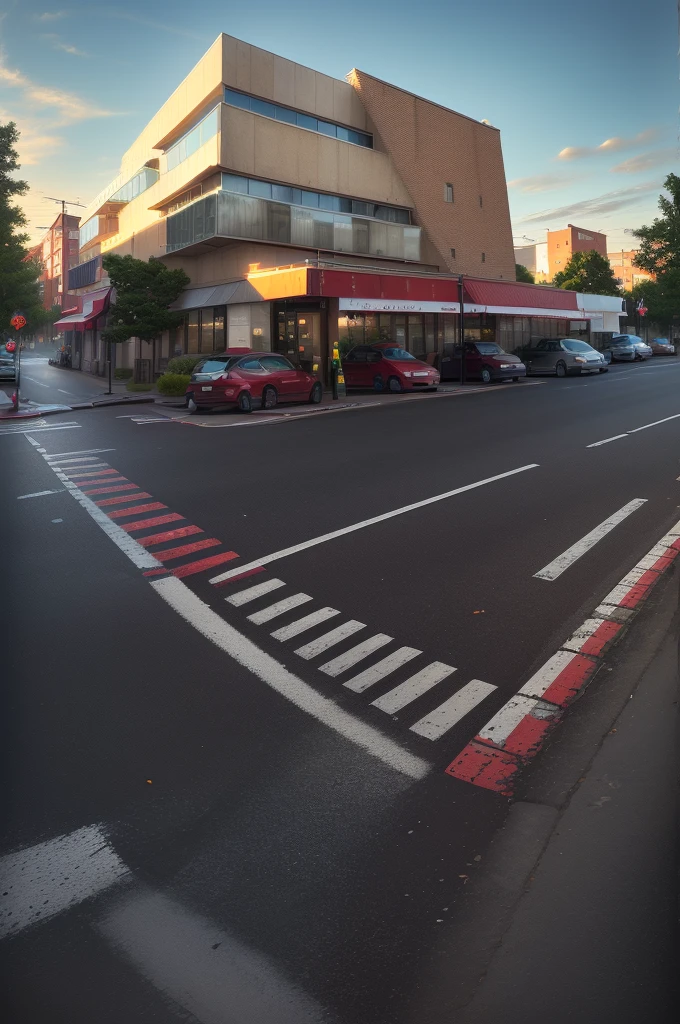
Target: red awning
(514, 293)
(95, 304)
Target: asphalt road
(255, 840)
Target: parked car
(8, 361)
(483, 359)
(662, 347)
(563, 356)
(621, 349)
(250, 380)
(387, 366)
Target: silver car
(628, 348)
(563, 356)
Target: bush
(174, 384)
(122, 373)
(183, 364)
(132, 386)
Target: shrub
(174, 384)
(122, 373)
(132, 386)
(183, 364)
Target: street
(252, 732)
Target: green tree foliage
(143, 293)
(523, 273)
(660, 248)
(18, 274)
(587, 272)
(662, 297)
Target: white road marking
(355, 654)
(322, 643)
(199, 967)
(198, 614)
(273, 610)
(84, 451)
(89, 471)
(65, 462)
(308, 622)
(581, 635)
(44, 880)
(437, 722)
(413, 688)
(505, 721)
(41, 430)
(597, 444)
(61, 390)
(32, 441)
(547, 674)
(39, 494)
(572, 554)
(34, 381)
(266, 559)
(252, 593)
(383, 668)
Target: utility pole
(461, 327)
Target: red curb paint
(204, 563)
(664, 561)
(157, 572)
(484, 766)
(152, 507)
(142, 524)
(636, 594)
(527, 738)
(167, 554)
(602, 636)
(83, 474)
(109, 490)
(241, 576)
(160, 538)
(570, 680)
(123, 497)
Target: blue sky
(585, 93)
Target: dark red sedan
(386, 366)
(249, 380)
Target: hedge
(174, 384)
(122, 373)
(183, 364)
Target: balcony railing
(229, 215)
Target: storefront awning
(95, 304)
(511, 295)
(220, 295)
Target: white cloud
(50, 16)
(67, 48)
(539, 183)
(613, 145)
(609, 202)
(70, 107)
(647, 161)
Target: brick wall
(432, 146)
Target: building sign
(403, 306)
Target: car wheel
(316, 394)
(192, 407)
(486, 375)
(561, 369)
(394, 384)
(604, 369)
(245, 402)
(515, 379)
(378, 383)
(269, 398)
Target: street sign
(11, 346)
(18, 322)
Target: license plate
(207, 389)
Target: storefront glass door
(298, 337)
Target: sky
(585, 93)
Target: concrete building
(563, 244)
(308, 211)
(58, 252)
(625, 271)
(535, 258)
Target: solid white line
(443, 718)
(355, 654)
(383, 668)
(413, 688)
(65, 462)
(33, 441)
(84, 451)
(252, 593)
(655, 423)
(48, 878)
(279, 608)
(308, 622)
(597, 444)
(322, 643)
(279, 678)
(41, 430)
(572, 554)
(61, 391)
(34, 381)
(39, 494)
(266, 559)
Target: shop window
(207, 330)
(192, 332)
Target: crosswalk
(346, 656)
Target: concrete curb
(37, 413)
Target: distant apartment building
(535, 258)
(58, 252)
(563, 244)
(626, 273)
(309, 212)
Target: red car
(385, 366)
(249, 380)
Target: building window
(448, 192)
(480, 201)
(453, 254)
(295, 117)
(144, 179)
(313, 200)
(483, 257)
(193, 140)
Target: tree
(587, 272)
(660, 248)
(662, 297)
(143, 293)
(18, 274)
(523, 273)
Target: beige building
(626, 273)
(305, 210)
